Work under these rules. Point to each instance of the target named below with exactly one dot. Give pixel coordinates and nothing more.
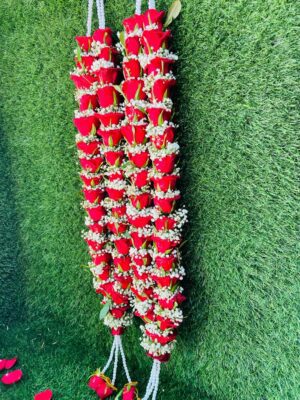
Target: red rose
(166, 206)
(118, 312)
(166, 164)
(96, 246)
(12, 377)
(117, 331)
(84, 42)
(165, 281)
(165, 183)
(132, 68)
(90, 148)
(88, 102)
(164, 245)
(114, 158)
(110, 118)
(83, 81)
(91, 164)
(122, 246)
(102, 385)
(91, 181)
(166, 323)
(140, 179)
(159, 65)
(170, 304)
(160, 141)
(101, 258)
(85, 62)
(108, 96)
(134, 134)
(158, 116)
(160, 338)
(108, 54)
(104, 36)
(133, 89)
(105, 273)
(153, 16)
(140, 160)
(119, 298)
(86, 125)
(132, 45)
(140, 201)
(45, 395)
(134, 114)
(125, 281)
(166, 263)
(161, 89)
(139, 222)
(144, 260)
(145, 295)
(130, 391)
(116, 175)
(122, 263)
(96, 213)
(97, 228)
(155, 39)
(133, 23)
(165, 223)
(93, 195)
(115, 194)
(108, 75)
(119, 211)
(138, 275)
(117, 228)
(139, 241)
(111, 137)
(162, 358)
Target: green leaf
(160, 119)
(119, 394)
(110, 141)
(173, 12)
(78, 54)
(104, 310)
(122, 38)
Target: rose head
(139, 241)
(115, 194)
(161, 141)
(133, 89)
(162, 358)
(102, 385)
(155, 39)
(108, 96)
(140, 160)
(140, 201)
(133, 23)
(96, 213)
(144, 260)
(116, 175)
(172, 303)
(97, 227)
(86, 125)
(118, 312)
(110, 137)
(134, 134)
(119, 211)
(104, 36)
(114, 158)
(95, 246)
(153, 16)
(166, 263)
(164, 246)
(160, 338)
(85, 62)
(83, 81)
(132, 69)
(108, 54)
(88, 102)
(159, 65)
(166, 164)
(139, 222)
(164, 223)
(110, 118)
(158, 116)
(108, 75)
(130, 391)
(93, 195)
(161, 89)
(167, 205)
(91, 181)
(134, 114)
(84, 42)
(165, 281)
(117, 227)
(165, 183)
(90, 148)
(140, 179)
(122, 263)
(125, 281)
(132, 45)
(122, 245)
(91, 164)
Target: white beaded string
(101, 13)
(138, 7)
(156, 383)
(111, 356)
(151, 4)
(151, 382)
(115, 362)
(89, 18)
(123, 359)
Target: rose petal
(12, 377)
(2, 364)
(46, 395)
(10, 363)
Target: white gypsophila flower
(145, 59)
(106, 110)
(96, 47)
(78, 71)
(136, 32)
(115, 323)
(97, 237)
(170, 148)
(85, 113)
(137, 149)
(86, 139)
(146, 231)
(153, 328)
(117, 184)
(175, 315)
(169, 235)
(170, 194)
(142, 307)
(101, 63)
(166, 105)
(109, 203)
(89, 221)
(166, 293)
(156, 174)
(156, 348)
(91, 91)
(145, 212)
(177, 272)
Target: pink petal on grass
(46, 395)
(12, 377)
(10, 363)
(2, 364)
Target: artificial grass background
(237, 99)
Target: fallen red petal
(12, 377)
(46, 395)
(2, 364)
(10, 363)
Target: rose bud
(166, 164)
(130, 391)
(114, 158)
(133, 45)
(93, 195)
(161, 89)
(122, 263)
(12, 377)
(145, 295)
(162, 358)
(117, 228)
(134, 134)
(96, 213)
(133, 23)
(116, 175)
(140, 201)
(108, 96)
(166, 323)
(161, 141)
(119, 211)
(142, 277)
(170, 304)
(158, 116)
(165, 281)
(117, 331)
(111, 137)
(140, 179)
(166, 263)
(90, 148)
(139, 222)
(165, 183)
(134, 114)
(91, 164)
(118, 312)
(140, 160)
(83, 81)
(165, 223)
(84, 42)
(144, 260)
(96, 246)
(152, 17)
(91, 181)
(166, 205)
(125, 281)
(88, 102)
(104, 36)
(115, 194)
(97, 227)
(85, 62)
(139, 241)
(155, 39)
(108, 75)
(102, 385)
(164, 245)
(132, 68)
(133, 89)
(101, 258)
(160, 338)
(122, 246)
(119, 298)
(111, 118)
(108, 54)
(104, 275)
(86, 125)
(159, 65)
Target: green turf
(237, 104)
